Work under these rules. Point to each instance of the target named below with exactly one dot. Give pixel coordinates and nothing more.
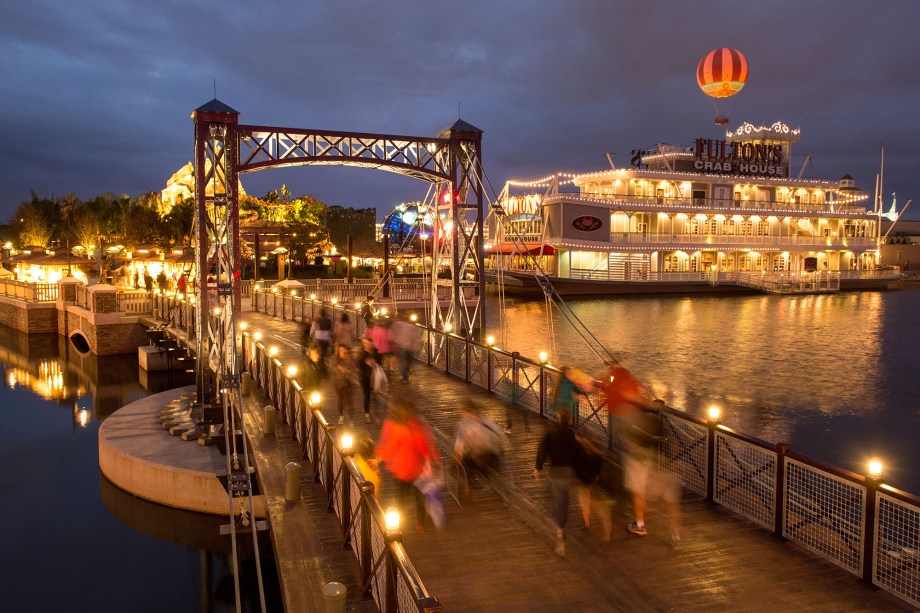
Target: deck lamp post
(314, 399)
(413, 318)
(273, 351)
(291, 372)
(713, 424)
(257, 336)
(448, 327)
(544, 357)
(873, 483)
(490, 340)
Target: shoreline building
(720, 215)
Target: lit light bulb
(257, 336)
(714, 412)
(490, 340)
(413, 318)
(875, 468)
(391, 519)
(347, 442)
(273, 351)
(544, 357)
(291, 371)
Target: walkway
(496, 553)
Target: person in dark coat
(562, 449)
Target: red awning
(507, 249)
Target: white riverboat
(720, 215)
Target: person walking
(573, 382)
(343, 332)
(380, 335)
(642, 476)
(367, 361)
(561, 448)
(321, 331)
(404, 335)
(368, 312)
(343, 369)
(407, 450)
(312, 371)
(162, 283)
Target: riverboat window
(747, 228)
(726, 263)
(779, 263)
(759, 263)
(699, 197)
(694, 263)
(744, 263)
(674, 263)
(640, 223)
(728, 227)
(710, 226)
(763, 228)
(737, 200)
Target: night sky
(96, 95)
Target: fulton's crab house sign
(740, 158)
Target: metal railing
(858, 523)
(29, 292)
(712, 241)
(386, 571)
(721, 205)
(791, 282)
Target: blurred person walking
(366, 459)
(343, 332)
(368, 313)
(321, 331)
(642, 476)
(367, 361)
(407, 449)
(588, 467)
(404, 336)
(343, 372)
(380, 335)
(561, 448)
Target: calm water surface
(834, 375)
(72, 541)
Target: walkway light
(357, 305)
(314, 399)
(875, 469)
(216, 311)
(413, 318)
(274, 290)
(383, 311)
(490, 340)
(346, 442)
(448, 327)
(243, 325)
(257, 287)
(291, 371)
(273, 351)
(293, 293)
(334, 301)
(544, 357)
(391, 520)
(312, 296)
(257, 336)
(714, 413)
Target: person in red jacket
(407, 450)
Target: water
(834, 375)
(72, 541)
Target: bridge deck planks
(496, 553)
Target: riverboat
(720, 215)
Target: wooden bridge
(496, 550)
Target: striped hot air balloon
(722, 72)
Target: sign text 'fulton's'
(740, 158)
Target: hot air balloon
(721, 74)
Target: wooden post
(872, 486)
(386, 266)
(779, 493)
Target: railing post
(712, 425)
(872, 485)
(392, 602)
(428, 342)
(314, 445)
(779, 494)
(330, 449)
(489, 368)
(447, 352)
(543, 391)
(514, 377)
(467, 349)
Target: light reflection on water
(831, 374)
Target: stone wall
(107, 334)
(35, 318)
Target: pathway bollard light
(268, 419)
(292, 482)
(334, 596)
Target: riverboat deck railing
(791, 282)
(664, 204)
(712, 241)
(386, 570)
(857, 522)
(28, 291)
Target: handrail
(854, 521)
(388, 574)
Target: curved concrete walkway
(140, 457)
